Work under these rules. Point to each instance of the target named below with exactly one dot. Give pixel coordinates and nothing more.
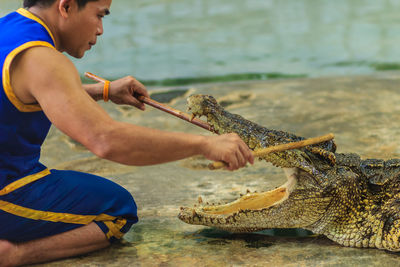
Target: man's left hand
(125, 90)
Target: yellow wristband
(105, 90)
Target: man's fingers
(240, 158)
(135, 86)
(232, 163)
(142, 91)
(244, 153)
(139, 88)
(137, 103)
(247, 153)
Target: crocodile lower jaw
(207, 214)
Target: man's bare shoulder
(42, 58)
(38, 69)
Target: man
(50, 214)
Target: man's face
(84, 26)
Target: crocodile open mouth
(250, 201)
(204, 214)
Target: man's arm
(95, 90)
(51, 79)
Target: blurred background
(172, 42)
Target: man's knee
(126, 202)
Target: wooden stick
(157, 105)
(94, 77)
(293, 145)
(175, 112)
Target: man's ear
(65, 6)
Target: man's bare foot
(7, 254)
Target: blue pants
(63, 201)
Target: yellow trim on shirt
(7, 81)
(31, 16)
(52, 216)
(23, 181)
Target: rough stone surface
(362, 112)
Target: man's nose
(100, 29)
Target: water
(159, 39)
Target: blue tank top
(23, 127)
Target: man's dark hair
(47, 3)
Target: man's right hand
(228, 148)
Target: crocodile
(352, 201)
